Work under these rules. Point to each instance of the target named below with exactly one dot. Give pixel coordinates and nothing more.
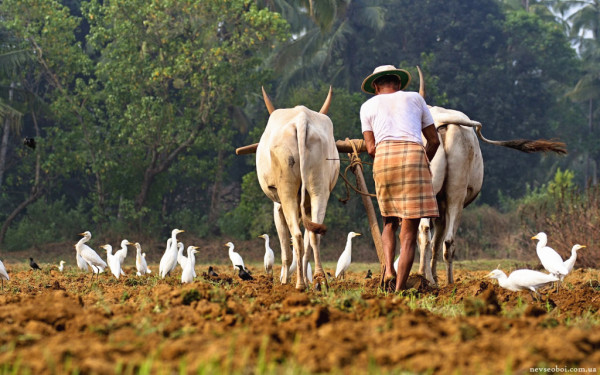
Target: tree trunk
(215, 198)
(36, 191)
(5, 136)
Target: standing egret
(243, 274)
(33, 264)
(570, 263)
(168, 262)
(61, 266)
(550, 259)
(188, 274)
(236, 259)
(140, 260)
(522, 280)
(3, 274)
(269, 255)
(122, 254)
(346, 257)
(81, 263)
(181, 259)
(113, 260)
(89, 255)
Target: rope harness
(355, 162)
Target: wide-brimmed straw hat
(385, 70)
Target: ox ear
(421, 83)
(327, 103)
(268, 103)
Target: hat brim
(369, 88)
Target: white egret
(81, 263)
(550, 259)
(89, 255)
(61, 266)
(3, 274)
(346, 257)
(396, 262)
(570, 263)
(140, 260)
(269, 255)
(122, 254)
(168, 262)
(236, 259)
(181, 259)
(113, 260)
(522, 280)
(188, 274)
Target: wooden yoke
(342, 146)
(353, 147)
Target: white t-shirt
(399, 116)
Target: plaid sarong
(403, 181)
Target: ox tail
(524, 145)
(301, 132)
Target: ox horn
(327, 103)
(421, 83)
(268, 103)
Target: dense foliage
(137, 106)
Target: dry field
(59, 323)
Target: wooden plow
(353, 147)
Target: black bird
(211, 272)
(369, 274)
(33, 264)
(29, 142)
(243, 274)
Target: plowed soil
(52, 322)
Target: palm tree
(324, 38)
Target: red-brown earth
(52, 322)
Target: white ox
(457, 170)
(297, 164)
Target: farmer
(392, 123)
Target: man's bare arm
(370, 142)
(433, 141)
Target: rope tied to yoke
(355, 162)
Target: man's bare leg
(408, 242)
(388, 240)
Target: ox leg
(452, 219)
(299, 249)
(424, 240)
(436, 245)
(306, 257)
(318, 205)
(284, 234)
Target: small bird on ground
(346, 257)
(33, 264)
(140, 261)
(269, 259)
(3, 274)
(211, 272)
(243, 274)
(369, 274)
(61, 266)
(522, 280)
